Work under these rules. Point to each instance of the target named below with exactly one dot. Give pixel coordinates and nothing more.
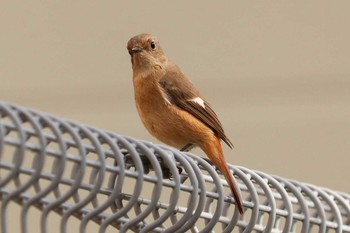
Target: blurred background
(277, 73)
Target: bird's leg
(187, 147)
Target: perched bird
(172, 109)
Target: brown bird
(172, 109)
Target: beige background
(276, 72)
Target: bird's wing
(182, 93)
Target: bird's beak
(135, 50)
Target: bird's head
(145, 52)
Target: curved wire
(67, 170)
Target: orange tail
(216, 155)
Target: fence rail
(117, 182)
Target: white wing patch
(165, 96)
(166, 99)
(199, 101)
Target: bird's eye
(153, 45)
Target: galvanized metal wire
(71, 171)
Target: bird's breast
(165, 121)
(153, 108)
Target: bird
(172, 109)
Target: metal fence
(113, 183)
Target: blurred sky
(276, 72)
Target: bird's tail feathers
(215, 154)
